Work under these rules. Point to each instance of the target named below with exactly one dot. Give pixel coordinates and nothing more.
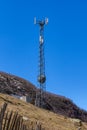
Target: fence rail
(10, 120)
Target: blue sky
(65, 44)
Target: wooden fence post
(3, 109)
(13, 121)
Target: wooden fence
(13, 121)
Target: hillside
(49, 120)
(10, 84)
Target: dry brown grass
(49, 120)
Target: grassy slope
(49, 120)
(11, 84)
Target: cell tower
(41, 78)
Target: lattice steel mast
(41, 78)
